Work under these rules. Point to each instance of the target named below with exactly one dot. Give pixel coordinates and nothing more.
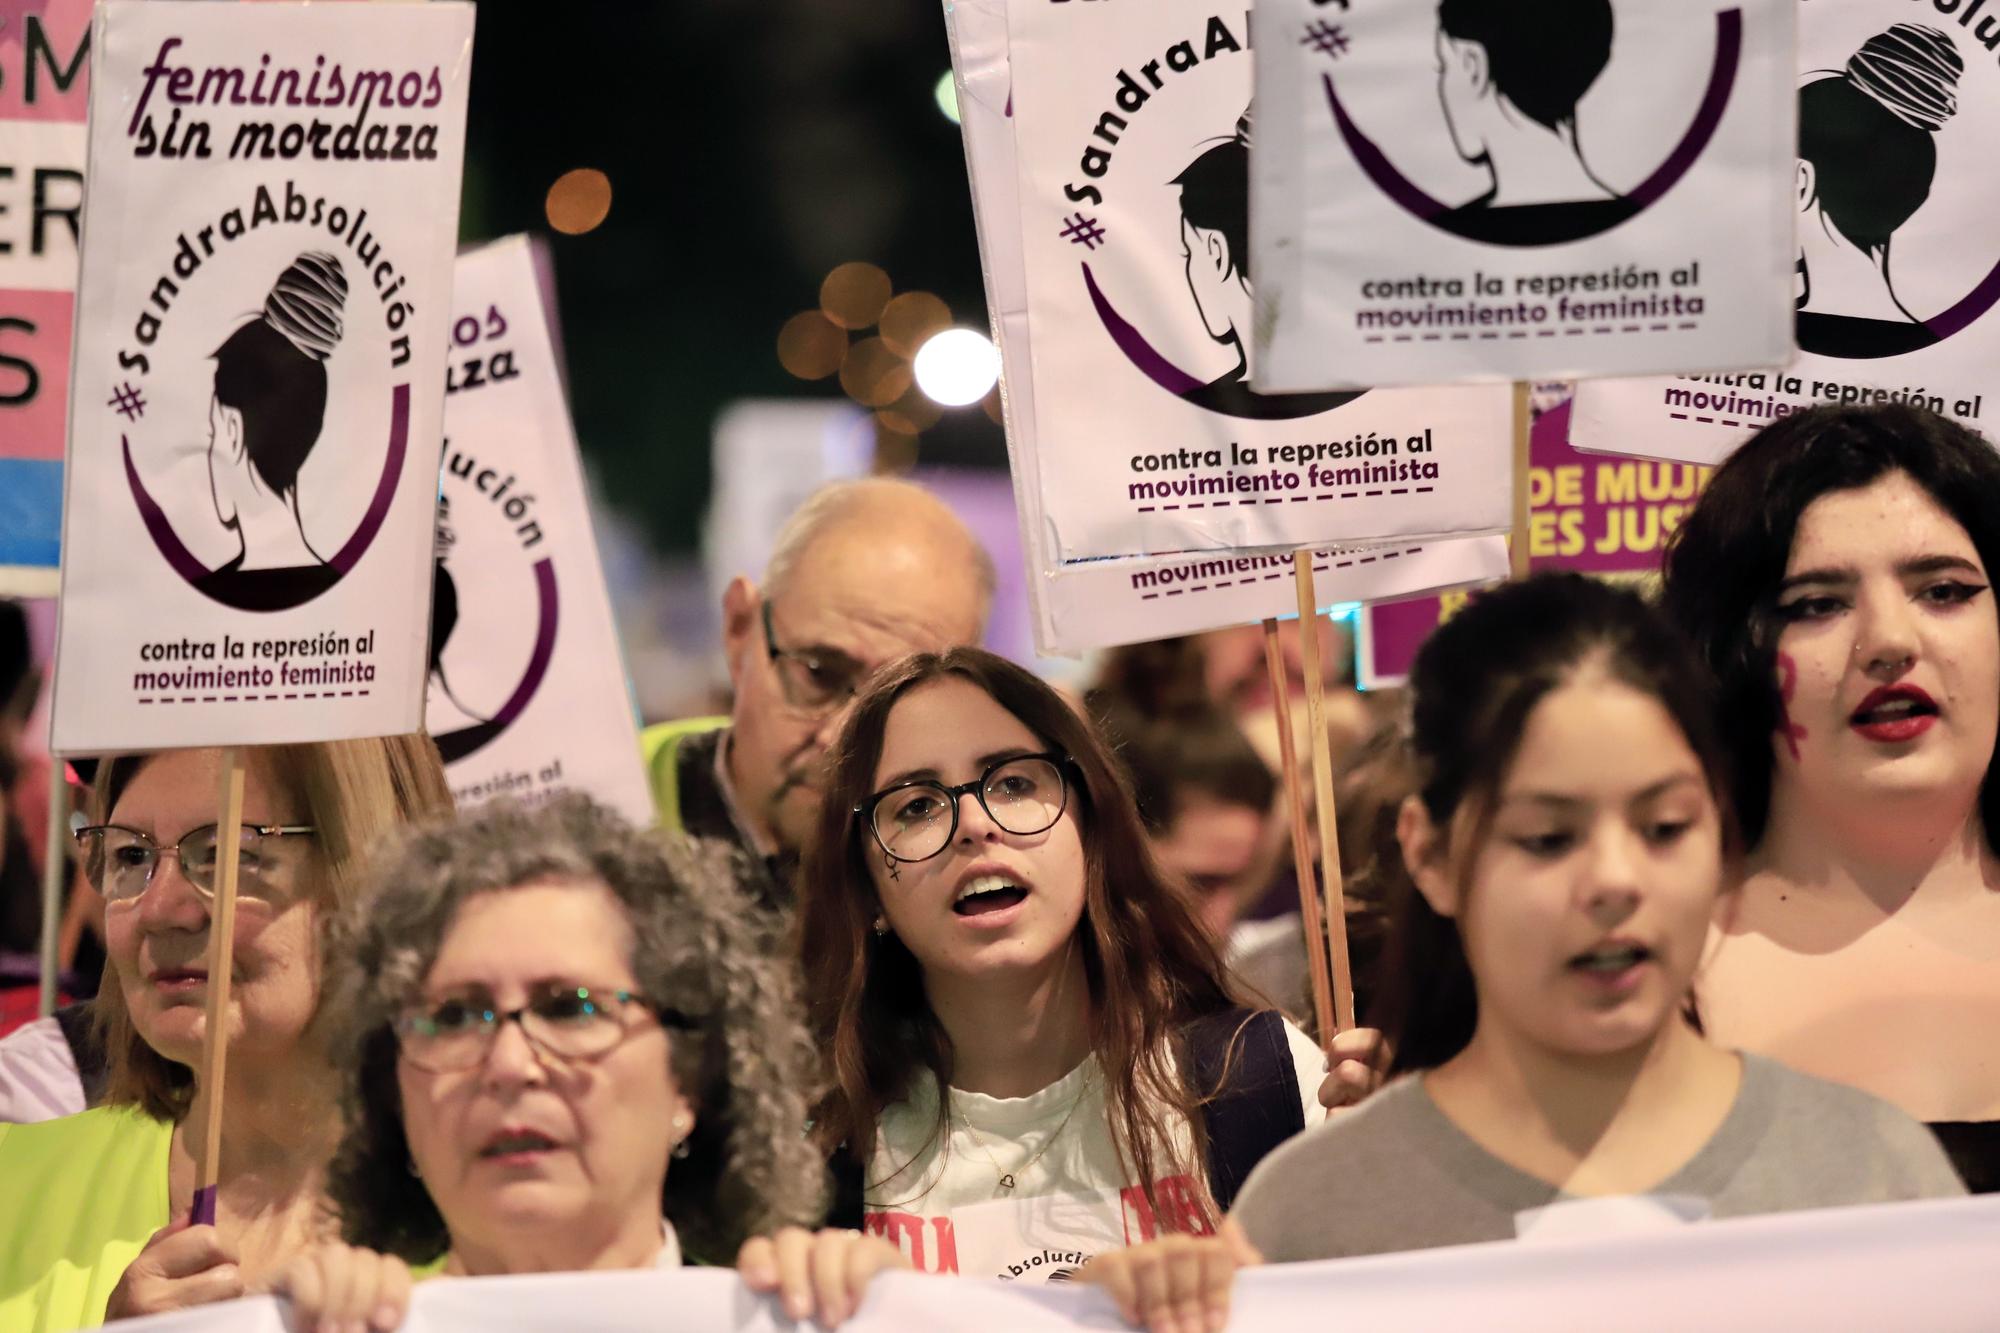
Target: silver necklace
(1007, 1181)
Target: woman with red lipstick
(94, 1214)
(1033, 1047)
(1835, 576)
(1566, 848)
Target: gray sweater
(1397, 1174)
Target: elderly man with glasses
(863, 573)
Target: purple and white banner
(527, 692)
(1113, 221)
(256, 403)
(1844, 1270)
(1895, 272)
(1495, 191)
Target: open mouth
(1895, 713)
(1610, 960)
(517, 1142)
(988, 894)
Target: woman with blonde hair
(95, 1220)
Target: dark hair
(745, 1063)
(1475, 684)
(1543, 54)
(281, 393)
(1869, 129)
(1150, 967)
(17, 661)
(1199, 750)
(1215, 194)
(1725, 563)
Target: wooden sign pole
(1322, 763)
(221, 951)
(1302, 857)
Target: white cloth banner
(1924, 1266)
(256, 402)
(1896, 270)
(527, 690)
(1132, 427)
(1490, 191)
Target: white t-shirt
(943, 1204)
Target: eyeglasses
(562, 1022)
(815, 682)
(121, 861)
(914, 821)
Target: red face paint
(1788, 686)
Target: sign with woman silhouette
(257, 391)
(1896, 268)
(527, 692)
(1510, 189)
(1115, 222)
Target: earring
(881, 925)
(682, 1127)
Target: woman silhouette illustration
(1867, 157)
(263, 420)
(1215, 242)
(444, 619)
(1510, 75)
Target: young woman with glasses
(1034, 1051)
(95, 1212)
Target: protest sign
(527, 691)
(1896, 269)
(1597, 515)
(1132, 427)
(1485, 191)
(1836, 1270)
(44, 80)
(256, 410)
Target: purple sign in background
(1594, 513)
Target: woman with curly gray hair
(563, 1051)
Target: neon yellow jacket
(660, 746)
(79, 1198)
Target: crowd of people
(1689, 904)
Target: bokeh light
(811, 346)
(913, 413)
(853, 295)
(913, 319)
(579, 201)
(947, 97)
(957, 367)
(895, 450)
(873, 375)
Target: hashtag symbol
(1326, 38)
(128, 401)
(1083, 231)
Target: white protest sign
(256, 404)
(1839, 1270)
(527, 690)
(1130, 603)
(1896, 269)
(1140, 435)
(1543, 188)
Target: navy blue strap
(1241, 1064)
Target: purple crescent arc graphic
(185, 563)
(456, 745)
(1715, 101)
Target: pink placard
(34, 372)
(41, 45)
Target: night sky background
(751, 147)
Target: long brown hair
(355, 793)
(1149, 965)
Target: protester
(1835, 578)
(863, 573)
(1567, 849)
(563, 1049)
(1016, 1006)
(94, 1219)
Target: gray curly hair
(748, 1064)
